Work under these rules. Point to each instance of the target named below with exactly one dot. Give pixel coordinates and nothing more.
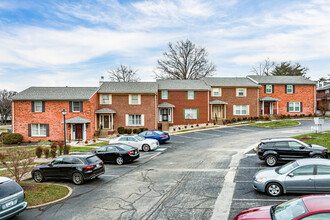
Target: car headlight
(261, 179)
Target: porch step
(219, 122)
(103, 133)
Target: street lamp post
(64, 113)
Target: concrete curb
(278, 127)
(55, 201)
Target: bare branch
(123, 74)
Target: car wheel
(38, 177)
(145, 147)
(317, 156)
(77, 178)
(271, 160)
(274, 189)
(119, 160)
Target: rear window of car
(125, 147)
(9, 188)
(93, 159)
(159, 132)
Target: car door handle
(310, 179)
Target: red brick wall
(303, 93)
(228, 94)
(121, 106)
(178, 98)
(53, 116)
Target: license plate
(9, 204)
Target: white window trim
(130, 99)
(247, 109)
(193, 96)
(101, 99)
(38, 131)
(244, 91)
(190, 109)
(287, 89)
(271, 89)
(294, 106)
(73, 106)
(128, 123)
(213, 92)
(162, 96)
(35, 106)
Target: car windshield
(139, 138)
(9, 188)
(287, 167)
(290, 209)
(159, 132)
(93, 159)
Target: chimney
(101, 81)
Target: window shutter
(70, 106)
(47, 130)
(142, 120)
(81, 106)
(293, 89)
(168, 92)
(101, 98)
(186, 94)
(129, 99)
(139, 99)
(43, 106)
(286, 88)
(265, 88)
(183, 114)
(245, 91)
(110, 98)
(126, 119)
(198, 113)
(301, 107)
(194, 94)
(234, 109)
(287, 106)
(160, 95)
(248, 110)
(29, 130)
(273, 88)
(32, 106)
(236, 91)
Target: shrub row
(122, 130)
(54, 149)
(12, 138)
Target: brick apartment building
(323, 94)
(36, 111)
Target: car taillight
(89, 167)
(102, 163)
(131, 152)
(261, 150)
(163, 136)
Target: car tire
(317, 156)
(77, 178)
(145, 147)
(119, 161)
(38, 177)
(271, 160)
(274, 189)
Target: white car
(137, 141)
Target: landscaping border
(55, 201)
(276, 127)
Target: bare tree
(265, 68)
(123, 74)
(18, 163)
(323, 106)
(184, 61)
(5, 104)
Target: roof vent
(101, 81)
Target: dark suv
(286, 149)
(76, 167)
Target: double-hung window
(241, 92)
(241, 110)
(164, 94)
(190, 113)
(289, 89)
(38, 106)
(215, 91)
(269, 89)
(39, 130)
(135, 99)
(294, 106)
(190, 95)
(105, 99)
(76, 106)
(134, 120)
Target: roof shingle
(182, 85)
(283, 80)
(128, 87)
(230, 81)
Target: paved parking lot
(181, 180)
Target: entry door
(165, 114)
(216, 111)
(266, 105)
(107, 121)
(78, 131)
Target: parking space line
(190, 170)
(109, 175)
(243, 181)
(249, 155)
(260, 200)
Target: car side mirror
(50, 164)
(291, 175)
(301, 147)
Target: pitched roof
(166, 105)
(77, 120)
(283, 80)
(268, 98)
(105, 111)
(56, 93)
(128, 87)
(218, 102)
(169, 84)
(230, 81)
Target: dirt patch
(303, 138)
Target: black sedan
(117, 153)
(78, 168)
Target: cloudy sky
(73, 43)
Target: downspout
(13, 117)
(208, 106)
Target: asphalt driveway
(183, 180)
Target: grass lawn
(82, 149)
(100, 144)
(318, 138)
(276, 124)
(39, 193)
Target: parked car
(137, 141)
(286, 149)
(301, 176)
(12, 198)
(78, 168)
(160, 136)
(117, 153)
(311, 207)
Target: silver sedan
(301, 176)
